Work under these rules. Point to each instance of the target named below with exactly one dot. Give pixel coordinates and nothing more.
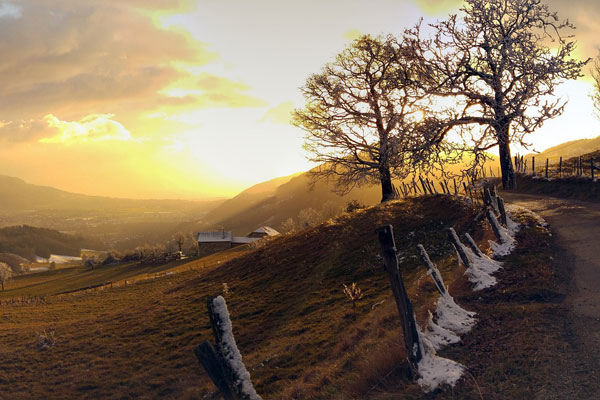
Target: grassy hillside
(566, 150)
(244, 213)
(28, 241)
(287, 306)
(293, 324)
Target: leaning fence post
(407, 316)
(495, 225)
(503, 217)
(223, 364)
(432, 269)
(473, 245)
(459, 247)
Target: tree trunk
(506, 166)
(387, 188)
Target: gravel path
(576, 226)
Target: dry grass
(293, 324)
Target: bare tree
(179, 239)
(501, 63)
(596, 77)
(361, 116)
(5, 273)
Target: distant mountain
(18, 196)
(567, 150)
(285, 198)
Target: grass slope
(293, 325)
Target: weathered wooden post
(533, 165)
(459, 247)
(560, 172)
(223, 364)
(407, 316)
(432, 270)
(503, 217)
(423, 184)
(473, 245)
(432, 186)
(495, 225)
(546, 168)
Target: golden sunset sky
(191, 99)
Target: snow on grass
(482, 269)
(453, 317)
(506, 245)
(438, 336)
(515, 209)
(230, 351)
(435, 371)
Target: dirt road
(576, 226)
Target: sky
(192, 99)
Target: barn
(212, 242)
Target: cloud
(92, 56)
(92, 128)
(11, 10)
(280, 114)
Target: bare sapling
(353, 293)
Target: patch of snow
(482, 268)
(450, 316)
(438, 336)
(230, 351)
(515, 209)
(435, 371)
(507, 245)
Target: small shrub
(46, 339)
(354, 205)
(353, 293)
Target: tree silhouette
(362, 116)
(501, 63)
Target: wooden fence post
(223, 364)
(546, 168)
(503, 217)
(407, 316)
(495, 225)
(533, 165)
(560, 172)
(423, 184)
(432, 269)
(459, 247)
(473, 245)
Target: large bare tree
(363, 116)
(500, 62)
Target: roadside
(576, 226)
